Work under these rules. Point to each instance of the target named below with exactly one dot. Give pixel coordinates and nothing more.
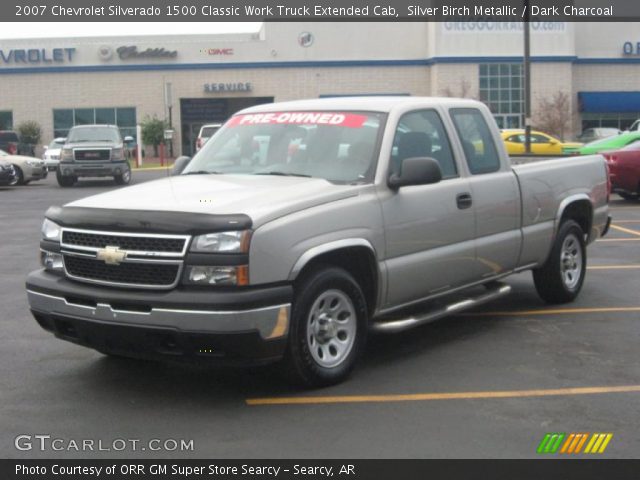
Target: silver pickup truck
(301, 227)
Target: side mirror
(416, 171)
(128, 139)
(179, 165)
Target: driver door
(430, 229)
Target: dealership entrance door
(195, 112)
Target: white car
(51, 154)
(206, 132)
(26, 168)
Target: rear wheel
(560, 279)
(65, 181)
(328, 327)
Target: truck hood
(263, 198)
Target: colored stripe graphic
(550, 443)
(573, 443)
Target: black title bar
(318, 10)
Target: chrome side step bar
(494, 290)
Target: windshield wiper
(284, 174)
(202, 172)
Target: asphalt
(490, 383)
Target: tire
(65, 181)
(19, 179)
(123, 179)
(560, 279)
(628, 196)
(325, 343)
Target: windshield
(94, 134)
(337, 146)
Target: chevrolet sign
(111, 255)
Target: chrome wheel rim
(571, 261)
(126, 176)
(331, 328)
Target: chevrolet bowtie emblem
(111, 255)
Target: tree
(553, 114)
(463, 92)
(153, 132)
(29, 132)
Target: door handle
(464, 200)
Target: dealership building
(197, 79)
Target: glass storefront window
(501, 89)
(6, 120)
(123, 117)
(621, 121)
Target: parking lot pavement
(488, 383)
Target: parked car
(206, 132)
(26, 169)
(251, 258)
(541, 143)
(593, 134)
(624, 171)
(51, 155)
(10, 143)
(93, 151)
(611, 143)
(7, 173)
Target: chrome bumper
(270, 322)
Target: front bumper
(93, 169)
(36, 173)
(246, 326)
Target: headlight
(66, 154)
(117, 154)
(51, 231)
(34, 163)
(51, 261)
(223, 242)
(208, 275)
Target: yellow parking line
(556, 311)
(150, 169)
(618, 240)
(613, 267)
(422, 397)
(625, 230)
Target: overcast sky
(117, 29)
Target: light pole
(527, 80)
(168, 101)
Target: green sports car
(610, 143)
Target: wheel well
(581, 212)
(359, 262)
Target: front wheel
(328, 327)
(560, 279)
(124, 178)
(64, 181)
(19, 177)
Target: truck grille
(95, 154)
(143, 274)
(101, 240)
(138, 259)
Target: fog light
(209, 275)
(118, 171)
(51, 261)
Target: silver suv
(93, 151)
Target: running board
(494, 290)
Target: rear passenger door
(495, 194)
(429, 229)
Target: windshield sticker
(335, 119)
